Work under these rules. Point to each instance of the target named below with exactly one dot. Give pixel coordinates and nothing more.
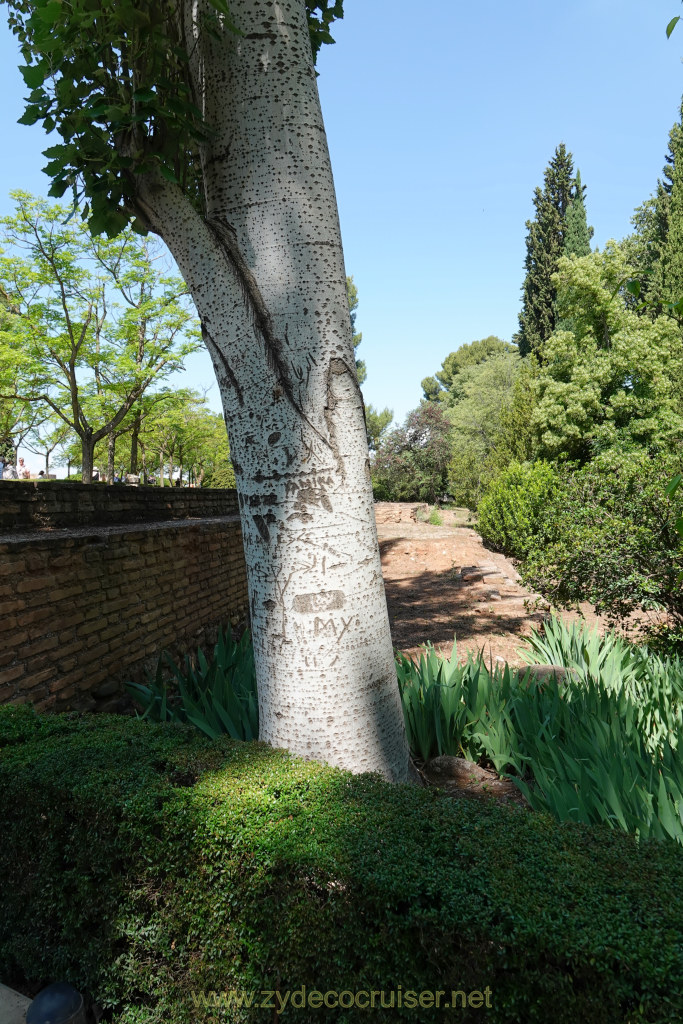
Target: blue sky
(440, 127)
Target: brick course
(92, 604)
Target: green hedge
(144, 862)
(513, 504)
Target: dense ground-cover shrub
(513, 505)
(145, 863)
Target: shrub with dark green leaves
(411, 462)
(609, 536)
(152, 867)
(513, 505)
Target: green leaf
(145, 95)
(672, 25)
(51, 13)
(167, 173)
(30, 115)
(33, 75)
(674, 484)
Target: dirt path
(441, 581)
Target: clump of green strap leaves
(112, 78)
(217, 696)
(601, 747)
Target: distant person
(2, 467)
(11, 472)
(41, 474)
(24, 473)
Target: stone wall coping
(85, 533)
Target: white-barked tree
(202, 123)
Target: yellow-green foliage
(609, 376)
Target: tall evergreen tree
(667, 273)
(544, 246)
(577, 235)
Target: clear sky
(440, 125)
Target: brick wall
(86, 608)
(44, 504)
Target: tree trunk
(111, 456)
(270, 289)
(135, 434)
(87, 459)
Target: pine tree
(577, 236)
(352, 296)
(544, 246)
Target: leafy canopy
(112, 77)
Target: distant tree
(445, 386)
(432, 390)
(46, 438)
(182, 438)
(544, 246)
(352, 295)
(94, 324)
(655, 261)
(412, 461)
(376, 425)
(643, 249)
(577, 237)
(667, 277)
(475, 415)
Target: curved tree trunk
(270, 289)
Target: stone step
(13, 1006)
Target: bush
(512, 507)
(609, 537)
(152, 867)
(411, 462)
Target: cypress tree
(667, 274)
(544, 246)
(577, 236)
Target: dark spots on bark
(269, 605)
(262, 527)
(275, 436)
(266, 499)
